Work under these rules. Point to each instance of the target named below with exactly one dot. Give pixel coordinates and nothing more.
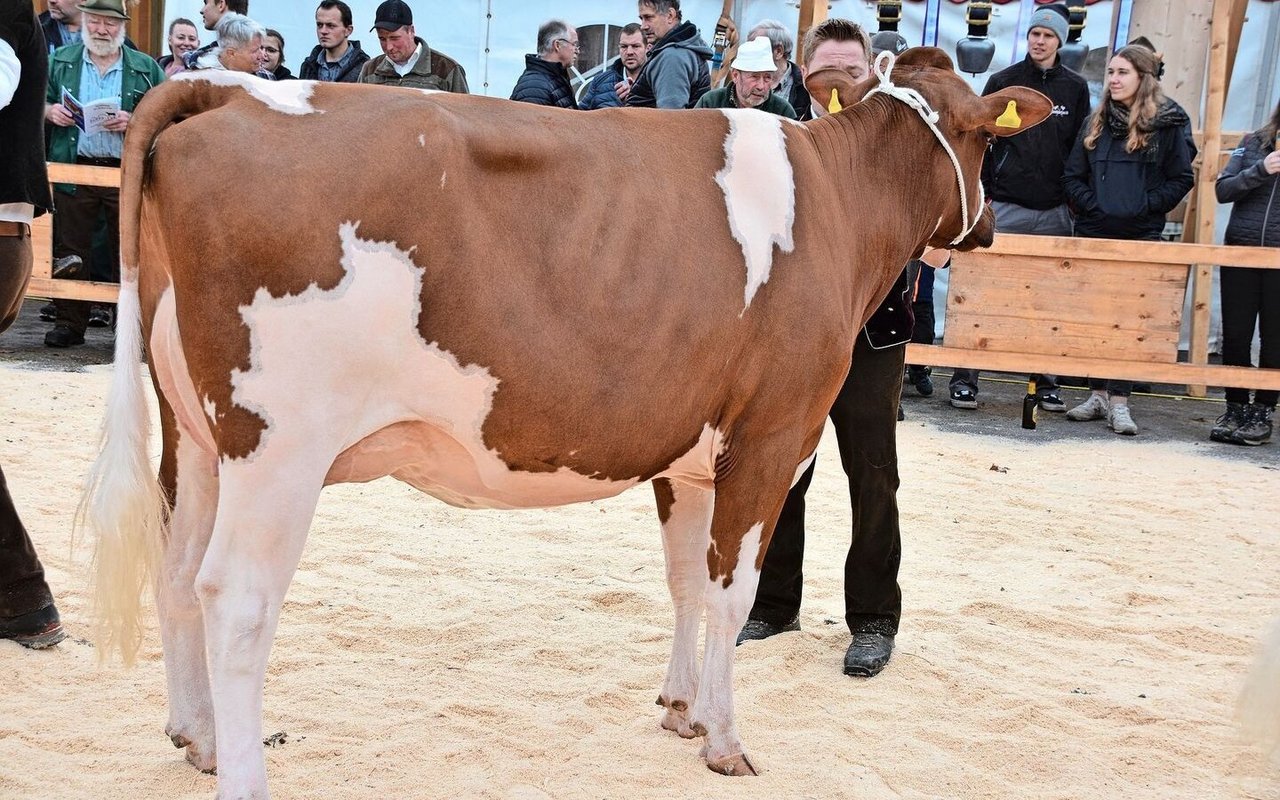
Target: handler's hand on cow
(117, 122)
(57, 114)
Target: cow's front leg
(265, 506)
(747, 502)
(181, 622)
(685, 513)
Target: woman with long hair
(1251, 296)
(1130, 166)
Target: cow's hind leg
(685, 513)
(195, 492)
(265, 505)
(747, 502)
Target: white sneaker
(1095, 407)
(1121, 421)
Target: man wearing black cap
(406, 60)
(27, 613)
(1023, 174)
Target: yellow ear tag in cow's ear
(1010, 118)
(834, 106)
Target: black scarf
(1169, 115)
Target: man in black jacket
(338, 58)
(27, 612)
(545, 80)
(676, 74)
(1023, 174)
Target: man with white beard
(99, 70)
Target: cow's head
(966, 120)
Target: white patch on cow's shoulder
(422, 140)
(331, 370)
(432, 91)
(443, 176)
(287, 97)
(698, 466)
(210, 409)
(759, 191)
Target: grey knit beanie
(1053, 17)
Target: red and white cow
(504, 306)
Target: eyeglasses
(271, 49)
(574, 45)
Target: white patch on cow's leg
(804, 465)
(727, 610)
(264, 509)
(181, 624)
(686, 535)
(759, 192)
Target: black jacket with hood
(676, 74)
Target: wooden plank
(42, 247)
(1137, 253)
(1211, 375)
(1071, 307)
(74, 290)
(83, 174)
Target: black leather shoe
(867, 654)
(759, 629)
(37, 630)
(62, 337)
(67, 267)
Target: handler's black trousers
(22, 585)
(865, 416)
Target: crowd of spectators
(1113, 172)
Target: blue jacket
(600, 93)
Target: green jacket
(140, 74)
(434, 70)
(724, 98)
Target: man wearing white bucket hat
(750, 82)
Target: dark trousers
(1250, 297)
(73, 229)
(22, 586)
(865, 416)
(922, 307)
(15, 272)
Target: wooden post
(811, 13)
(1206, 201)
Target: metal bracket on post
(975, 51)
(1074, 51)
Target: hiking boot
(920, 378)
(36, 630)
(62, 336)
(1094, 407)
(1226, 425)
(1256, 428)
(1052, 402)
(867, 654)
(66, 267)
(48, 312)
(99, 317)
(1121, 421)
(757, 629)
(964, 397)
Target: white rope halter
(883, 67)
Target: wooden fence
(1096, 307)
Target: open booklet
(90, 117)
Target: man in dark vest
(27, 612)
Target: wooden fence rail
(1096, 307)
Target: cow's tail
(1259, 707)
(123, 503)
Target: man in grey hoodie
(676, 74)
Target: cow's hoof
(205, 762)
(735, 765)
(677, 718)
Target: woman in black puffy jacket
(1251, 181)
(1129, 168)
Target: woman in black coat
(1129, 168)
(1250, 296)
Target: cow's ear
(1009, 111)
(825, 83)
(925, 57)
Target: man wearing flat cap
(750, 82)
(406, 59)
(99, 68)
